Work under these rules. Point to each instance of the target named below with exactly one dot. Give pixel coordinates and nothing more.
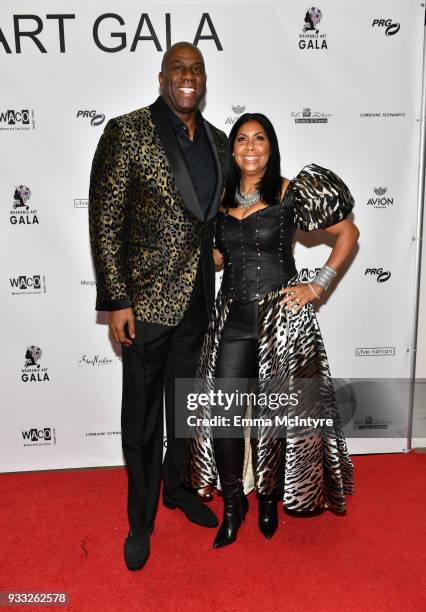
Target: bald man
(155, 188)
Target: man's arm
(108, 215)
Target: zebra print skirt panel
(308, 467)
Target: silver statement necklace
(246, 201)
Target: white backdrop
(347, 97)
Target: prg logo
(381, 275)
(95, 117)
(390, 27)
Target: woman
(264, 328)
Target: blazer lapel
(175, 158)
(214, 204)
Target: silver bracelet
(324, 276)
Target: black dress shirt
(198, 156)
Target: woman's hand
(218, 258)
(299, 295)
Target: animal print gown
(308, 467)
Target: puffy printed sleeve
(320, 198)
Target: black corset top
(257, 250)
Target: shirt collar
(177, 123)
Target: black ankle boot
(235, 506)
(268, 515)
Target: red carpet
(63, 531)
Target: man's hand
(117, 321)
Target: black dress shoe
(268, 515)
(235, 506)
(194, 510)
(136, 550)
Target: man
(156, 183)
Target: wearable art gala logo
(311, 37)
(21, 212)
(33, 370)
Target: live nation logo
(22, 213)
(81, 202)
(32, 370)
(375, 351)
(237, 110)
(380, 200)
(308, 116)
(95, 117)
(14, 120)
(28, 285)
(311, 37)
(39, 436)
(379, 274)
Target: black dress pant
(237, 366)
(159, 354)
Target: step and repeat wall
(342, 84)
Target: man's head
(183, 78)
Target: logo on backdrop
(390, 28)
(32, 370)
(107, 28)
(28, 285)
(237, 110)
(307, 275)
(381, 275)
(39, 436)
(22, 213)
(371, 423)
(95, 117)
(308, 116)
(88, 283)
(95, 360)
(102, 434)
(380, 199)
(14, 120)
(375, 351)
(81, 202)
(385, 115)
(310, 37)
